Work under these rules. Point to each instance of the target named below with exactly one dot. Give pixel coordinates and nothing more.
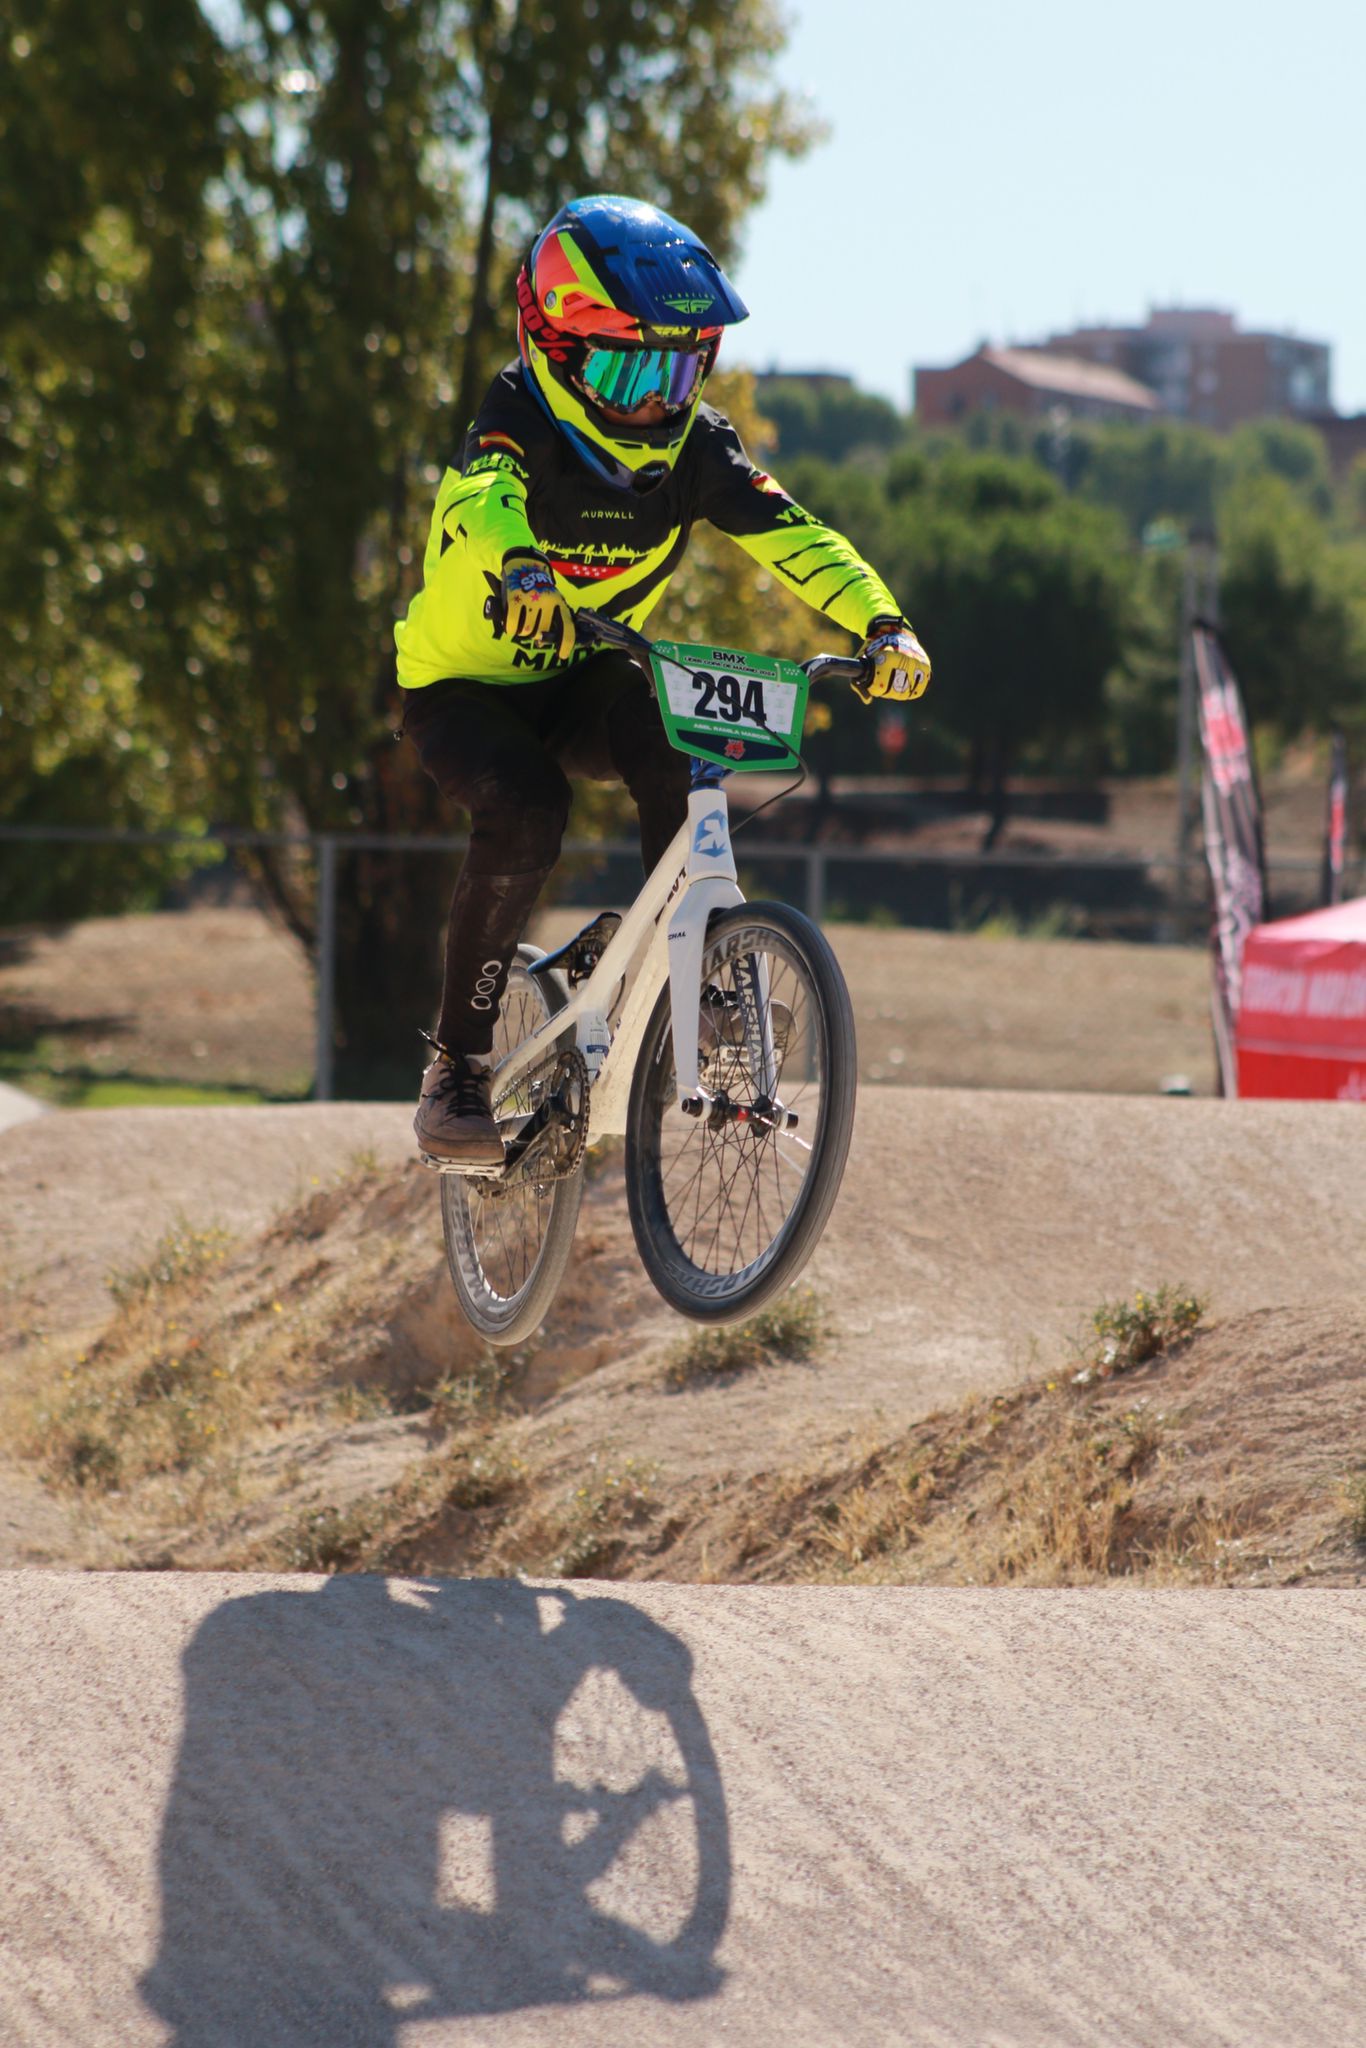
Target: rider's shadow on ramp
(449, 1798)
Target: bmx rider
(588, 463)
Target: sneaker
(454, 1121)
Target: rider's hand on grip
(901, 667)
(536, 614)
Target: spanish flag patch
(499, 441)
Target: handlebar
(596, 630)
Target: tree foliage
(1020, 593)
(256, 260)
(1291, 612)
(831, 419)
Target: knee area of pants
(529, 834)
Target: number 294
(729, 697)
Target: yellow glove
(536, 614)
(901, 667)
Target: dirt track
(365, 1815)
(972, 1227)
(358, 1814)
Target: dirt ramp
(381, 1814)
(976, 1225)
(93, 1189)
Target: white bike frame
(700, 863)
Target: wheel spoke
(730, 1192)
(495, 1235)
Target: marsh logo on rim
(711, 837)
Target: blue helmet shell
(658, 270)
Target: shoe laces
(466, 1086)
(469, 1086)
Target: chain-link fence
(1133, 897)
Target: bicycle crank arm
(553, 1110)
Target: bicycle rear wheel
(727, 1207)
(507, 1245)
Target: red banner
(1302, 1025)
(1233, 837)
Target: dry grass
(217, 1350)
(791, 1329)
(1356, 1508)
(310, 1400)
(471, 1506)
(1138, 1461)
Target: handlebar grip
(840, 668)
(595, 629)
(592, 629)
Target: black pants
(505, 751)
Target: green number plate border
(736, 745)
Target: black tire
(719, 1229)
(507, 1248)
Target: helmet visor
(624, 379)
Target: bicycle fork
(710, 885)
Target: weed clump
(180, 1254)
(1125, 1334)
(458, 1400)
(330, 1539)
(600, 1512)
(791, 1329)
(483, 1477)
(1356, 1505)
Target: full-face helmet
(620, 311)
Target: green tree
(111, 141)
(1021, 597)
(1166, 471)
(832, 420)
(1282, 448)
(1292, 611)
(234, 345)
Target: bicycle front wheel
(507, 1246)
(727, 1207)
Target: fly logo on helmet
(598, 301)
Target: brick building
(1192, 360)
(1204, 370)
(1032, 384)
(1344, 436)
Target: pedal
(581, 955)
(461, 1170)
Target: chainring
(561, 1083)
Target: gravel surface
(359, 1814)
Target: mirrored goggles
(624, 378)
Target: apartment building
(1205, 370)
(1192, 361)
(1032, 384)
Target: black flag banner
(1335, 825)
(1234, 846)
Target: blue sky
(998, 170)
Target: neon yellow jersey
(520, 485)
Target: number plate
(743, 710)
